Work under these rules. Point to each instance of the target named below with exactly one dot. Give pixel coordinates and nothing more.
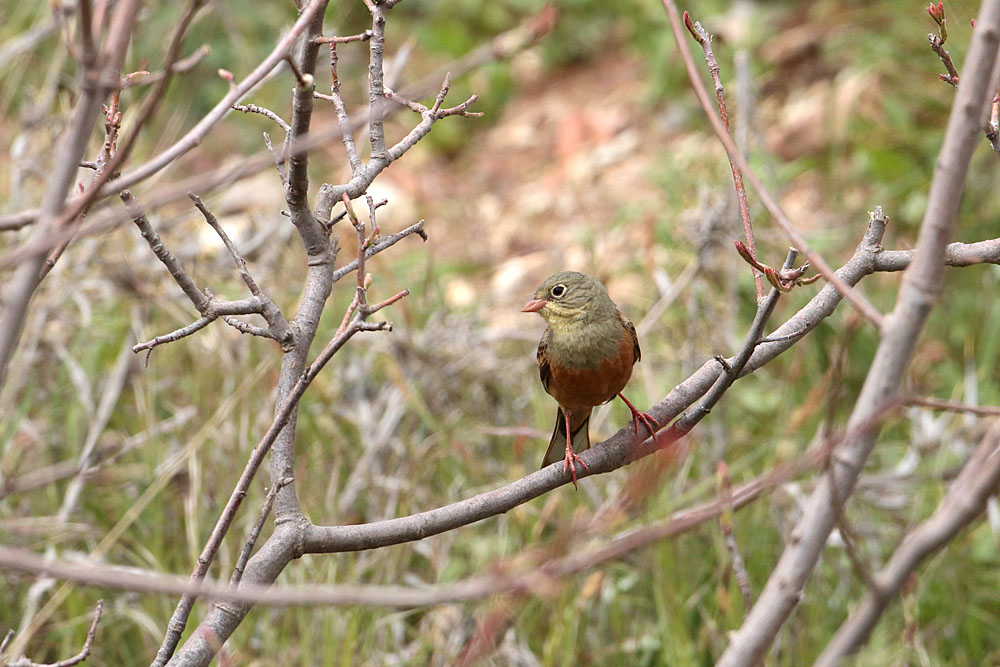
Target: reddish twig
(705, 39)
(858, 301)
(783, 280)
(937, 43)
(918, 293)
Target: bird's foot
(570, 462)
(637, 416)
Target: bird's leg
(644, 417)
(571, 457)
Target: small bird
(585, 358)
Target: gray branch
(964, 502)
(919, 291)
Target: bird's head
(567, 296)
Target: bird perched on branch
(585, 358)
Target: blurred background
(592, 155)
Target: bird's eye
(558, 291)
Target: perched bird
(585, 358)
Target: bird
(585, 358)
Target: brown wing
(630, 330)
(544, 370)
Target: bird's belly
(581, 387)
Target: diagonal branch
(964, 502)
(858, 301)
(918, 293)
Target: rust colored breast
(577, 387)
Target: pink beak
(534, 306)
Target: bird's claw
(647, 420)
(570, 462)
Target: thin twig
(248, 546)
(173, 336)
(213, 222)
(383, 243)
(68, 662)
(918, 293)
(198, 298)
(954, 406)
(703, 38)
(725, 484)
(263, 111)
(858, 301)
(361, 37)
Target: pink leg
(644, 417)
(571, 458)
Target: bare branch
(703, 38)
(858, 301)
(183, 280)
(213, 222)
(964, 502)
(383, 243)
(918, 293)
(175, 335)
(248, 546)
(376, 92)
(253, 108)
(22, 285)
(361, 37)
(525, 582)
(76, 659)
(247, 328)
(343, 120)
(281, 418)
(938, 404)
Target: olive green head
(571, 296)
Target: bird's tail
(579, 425)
